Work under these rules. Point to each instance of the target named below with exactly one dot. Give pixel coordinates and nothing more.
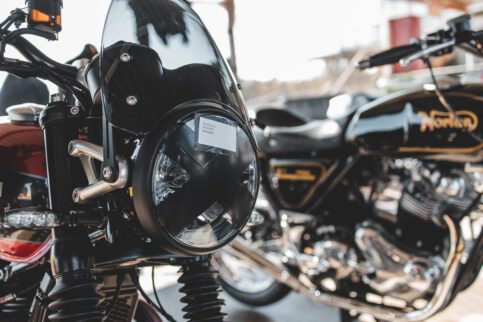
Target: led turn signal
(45, 15)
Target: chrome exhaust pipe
(242, 249)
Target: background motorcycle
(364, 210)
(145, 158)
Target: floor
(468, 307)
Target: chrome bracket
(87, 153)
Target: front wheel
(248, 284)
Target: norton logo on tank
(436, 120)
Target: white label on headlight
(217, 134)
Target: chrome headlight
(196, 180)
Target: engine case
(403, 274)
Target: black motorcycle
(145, 157)
(364, 210)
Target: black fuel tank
(417, 123)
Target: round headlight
(196, 180)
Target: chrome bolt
(74, 110)
(75, 196)
(131, 100)
(70, 148)
(107, 173)
(125, 57)
(57, 97)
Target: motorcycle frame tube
(242, 249)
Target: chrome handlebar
(427, 52)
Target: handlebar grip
(390, 56)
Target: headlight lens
(212, 225)
(168, 176)
(203, 185)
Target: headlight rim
(145, 209)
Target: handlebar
(429, 51)
(34, 55)
(390, 56)
(38, 64)
(435, 44)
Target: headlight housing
(196, 179)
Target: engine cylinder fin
(16, 305)
(15, 310)
(201, 289)
(120, 311)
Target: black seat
(301, 111)
(278, 117)
(287, 132)
(22, 90)
(312, 136)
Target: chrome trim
(24, 113)
(396, 272)
(426, 52)
(242, 249)
(88, 152)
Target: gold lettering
(297, 175)
(436, 120)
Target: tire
(266, 294)
(270, 295)
(146, 313)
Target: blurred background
(297, 55)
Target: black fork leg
(76, 295)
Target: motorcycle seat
(271, 116)
(315, 135)
(15, 91)
(285, 131)
(339, 108)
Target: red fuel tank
(23, 184)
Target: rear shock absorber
(201, 289)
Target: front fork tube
(76, 294)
